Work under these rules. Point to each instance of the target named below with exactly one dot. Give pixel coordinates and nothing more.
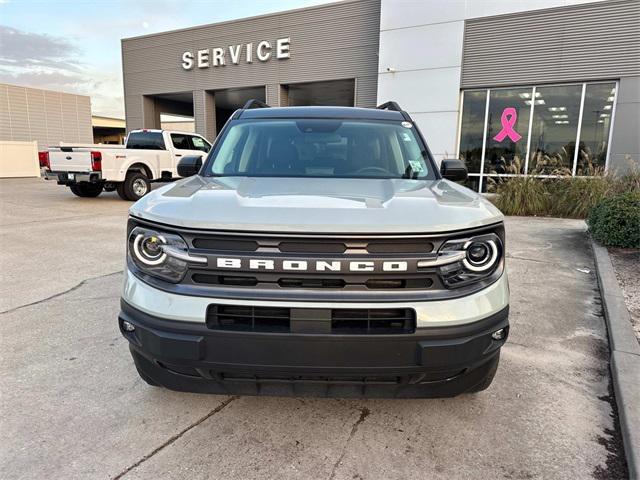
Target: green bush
(615, 221)
(574, 197)
(522, 196)
(568, 197)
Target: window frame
(482, 175)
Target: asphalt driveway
(73, 406)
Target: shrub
(568, 197)
(575, 197)
(615, 221)
(522, 196)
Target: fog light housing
(127, 326)
(498, 334)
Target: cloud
(25, 49)
(55, 63)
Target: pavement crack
(59, 294)
(364, 413)
(536, 260)
(175, 437)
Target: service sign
(234, 54)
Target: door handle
(178, 154)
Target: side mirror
(453, 169)
(189, 165)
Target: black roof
(321, 112)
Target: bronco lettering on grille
(310, 266)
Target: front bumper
(71, 178)
(432, 362)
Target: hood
(317, 205)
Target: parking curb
(625, 357)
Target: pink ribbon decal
(508, 120)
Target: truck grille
(300, 267)
(248, 318)
(352, 321)
(313, 282)
(314, 245)
(371, 321)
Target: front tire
(135, 186)
(86, 190)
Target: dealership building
(537, 87)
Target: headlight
(162, 255)
(472, 259)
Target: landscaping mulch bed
(626, 263)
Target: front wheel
(86, 190)
(135, 186)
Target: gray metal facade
(48, 117)
(328, 42)
(593, 41)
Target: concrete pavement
(72, 405)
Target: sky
(74, 45)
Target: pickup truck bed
(147, 156)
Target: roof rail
(390, 106)
(254, 103)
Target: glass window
(199, 143)
(507, 130)
(594, 132)
(181, 142)
(472, 129)
(554, 130)
(321, 148)
(145, 141)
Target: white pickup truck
(147, 156)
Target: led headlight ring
(143, 256)
(489, 260)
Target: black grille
(353, 321)
(310, 247)
(233, 280)
(314, 246)
(313, 282)
(373, 321)
(225, 244)
(241, 318)
(400, 247)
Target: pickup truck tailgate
(70, 160)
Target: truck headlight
(476, 258)
(160, 254)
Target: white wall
(421, 40)
(19, 159)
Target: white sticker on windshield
(406, 124)
(416, 166)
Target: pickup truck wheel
(120, 190)
(136, 185)
(86, 190)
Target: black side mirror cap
(189, 165)
(453, 169)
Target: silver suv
(316, 251)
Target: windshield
(320, 148)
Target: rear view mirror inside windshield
(318, 126)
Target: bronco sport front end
(317, 251)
